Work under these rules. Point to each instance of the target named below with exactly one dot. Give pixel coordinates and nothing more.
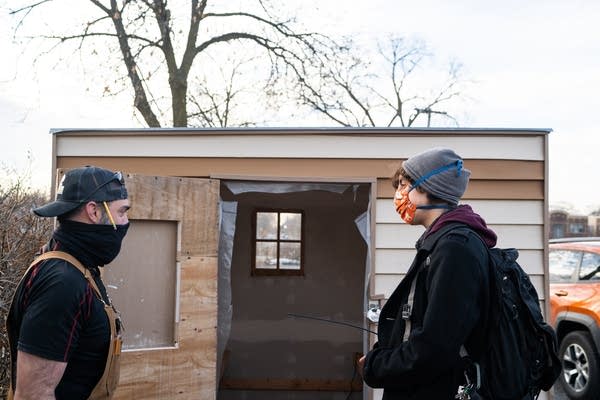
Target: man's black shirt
(56, 315)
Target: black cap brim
(55, 209)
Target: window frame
(277, 271)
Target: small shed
(245, 243)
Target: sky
(535, 64)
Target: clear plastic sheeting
(228, 211)
(237, 187)
(363, 224)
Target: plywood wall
(187, 368)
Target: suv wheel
(580, 374)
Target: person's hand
(360, 365)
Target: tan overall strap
(106, 386)
(75, 262)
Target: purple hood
(465, 214)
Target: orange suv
(575, 313)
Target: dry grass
(21, 236)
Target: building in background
(594, 225)
(564, 224)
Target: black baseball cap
(80, 185)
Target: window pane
(289, 256)
(563, 263)
(576, 227)
(291, 226)
(266, 255)
(590, 265)
(266, 225)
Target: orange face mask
(403, 206)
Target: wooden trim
(349, 131)
(53, 173)
(350, 180)
(278, 271)
(296, 167)
(546, 266)
(372, 268)
(298, 384)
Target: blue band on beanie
(458, 164)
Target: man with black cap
(439, 311)
(63, 331)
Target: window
(558, 230)
(278, 238)
(563, 264)
(590, 267)
(576, 227)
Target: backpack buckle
(406, 311)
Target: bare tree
(215, 66)
(218, 101)
(389, 88)
(159, 56)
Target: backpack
(521, 355)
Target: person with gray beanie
(443, 303)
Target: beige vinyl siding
(386, 283)
(486, 189)
(401, 236)
(518, 224)
(515, 212)
(397, 261)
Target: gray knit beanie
(439, 171)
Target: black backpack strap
(430, 241)
(407, 308)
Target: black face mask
(92, 244)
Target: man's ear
(93, 212)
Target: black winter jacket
(450, 309)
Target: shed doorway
(319, 269)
